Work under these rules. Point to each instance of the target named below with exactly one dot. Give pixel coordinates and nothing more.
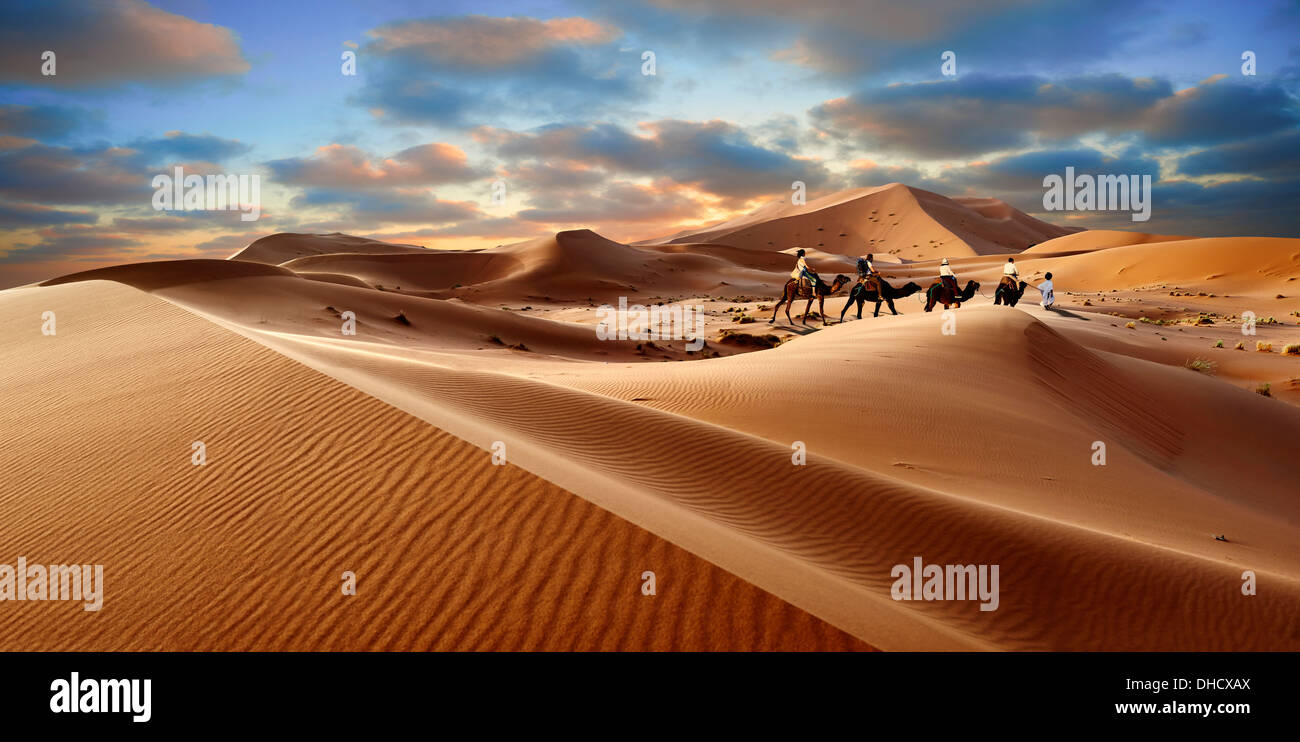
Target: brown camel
(1008, 293)
(864, 292)
(940, 293)
(819, 292)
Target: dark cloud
(19, 216)
(715, 157)
(1275, 155)
(553, 175)
(73, 242)
(44, 122)
(1025, 172)
(845, 40)
(112, 41)
(103, 174)
(617, 202)
(975, 114)
(1220, 110)
(1241, 207)
(452, 70)
(178, 145)
(61, 175)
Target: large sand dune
(307, 478)
(890, 220)
(963, 439)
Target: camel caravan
(805, 283)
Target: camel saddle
(803, 288)
(1010, 282)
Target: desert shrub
(733, 337)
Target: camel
(939, 293)
(1008, 293)
(863, 293)
(822, 290)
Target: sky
(469, 125)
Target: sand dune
(1097, 239)
(307, 478)
(962, 438)
(278, 248)
(1257, 265)
(892, 220)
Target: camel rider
(1010, 275)
(948, 278)
(807, 277)
(867, 275)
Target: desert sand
(965, 437)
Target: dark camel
(820, 293)
(939, 293)
(1008, 293)
(863, 293)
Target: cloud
(1024, 173)
(188, 147)
(47, 122)
(111, 42)
(345, 166)
(1274, 155)
(184, 221)
(450, 70)
(552, 175)
(1236, 207)
(103, 174)
(619, 202)
(18, 216)
(1220, 110)
(845, 40)
(876, 19)
(715, 157)
(487, 43)
(371, 209)
(75, 242)
(62, 175)
(975, 114)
